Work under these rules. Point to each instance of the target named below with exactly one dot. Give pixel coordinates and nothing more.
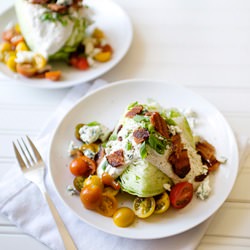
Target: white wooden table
(204, 45)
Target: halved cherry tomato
(181, 194)
(162, 203)
(78, 182)
(26, 69)
(110, 190)
(91, 196)
(108, 205)
(82, 166)
(110, 181)
(79, 62)
(144, 207)
(124, 217)
(53, 75)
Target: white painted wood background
(204, 45)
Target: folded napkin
(23, 204)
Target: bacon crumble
(136, 110)
(179, 157)
(159, 124)
(140, 135)
(116, 159)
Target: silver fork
(33, 168)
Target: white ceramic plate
(109, 17)
(106, 105)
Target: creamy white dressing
(131, 153)
(25, 57)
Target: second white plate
(109, 17)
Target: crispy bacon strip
(159, 124)
(140, 135)
(179, 157)
(207, 153)
(136, 110)
(57, 8)
(116, 159)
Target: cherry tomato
(91, 196)
(110, 181)
(144, 207)
(26, 69)
(108, 205)
(110, 190)
(181, 194)
(79, 62)
(82, 166)
(162, 203)
(107, 48)
(124, 217)
(53, 75)
(78, 183)
(93, 179)
(77, 128)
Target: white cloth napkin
(22, 203)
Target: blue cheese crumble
(90, 134)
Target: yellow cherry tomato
(144, 207)
(98, 34)
(103, 56)
(40, 61)
(93, 179)
(11, 64)
(5, 46)
(108, 205)
(162, 203)
(124, 217)
(21, 46)
(7, 55)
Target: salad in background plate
(52, 30)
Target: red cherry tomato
(181, 194)
(82, 166)
(79, 62)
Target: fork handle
(67, 240)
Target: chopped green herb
(143, 150)
(53, 17)
(132, 105)
(140, 118)
(113, 137)
(92, 124)
(128, 145)
(158, 145)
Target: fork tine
(28, 151)
(19, 157)
(37, 154)
(24, 155)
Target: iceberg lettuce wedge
(143, 179)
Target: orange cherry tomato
(110, 181)
(26, 69)
(181, 194)
(82, 166)
(53, 75)
(91, 196)
(108, 205)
